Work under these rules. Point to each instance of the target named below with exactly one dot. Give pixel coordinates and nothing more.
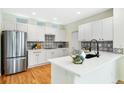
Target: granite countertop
(88, 64)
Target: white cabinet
(36, 33)
(85, 33)
(54, 53)
(63, 52)
(97, 30)
(60, 35)
(36, 57)
(22, 27)
(50, 30)
(16, 26)
(118, 14)
(107, 29)
(40, 56)
(31, 32)
(88, 33)
(66, 51)
(9, 26)
(40, 33)
(81, 33)
(50, 53)
(32, 61)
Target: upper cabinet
(40, 33)
(8, 26)
(36, 29)
(22, 27)
(50, 30)
(99, 30)
(118, 14)
(96, 30)
(60, 35)
(35, 33)
(85, 33)
(107, 31)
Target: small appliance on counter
(13, 52)
(37, 46)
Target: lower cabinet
(36, 57)
(40, 56)
(54, 53)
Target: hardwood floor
(36, 75)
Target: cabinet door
(9, 26)
(32, 59)
(41, 57)
(22, 27)
(97, 30)
(60, 35)
(50, 30)
(81, 33)
(88, 33)
(118, 14)
(63, 35)
(40, 33)
(85, 33)
(48, 54)
(32, 32)
(65, 52)
(107, 29)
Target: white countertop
(88, 64)
(45, 49)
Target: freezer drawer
(15, 65)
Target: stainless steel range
(13, 52)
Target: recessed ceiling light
(78, 13)
(33, 13)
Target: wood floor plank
(36, 75)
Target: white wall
(74, 26)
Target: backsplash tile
(103, 45)
(118, 50)
(47, 45)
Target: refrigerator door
(21, 42)
(14, 65)
(8, 44)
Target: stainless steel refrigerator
(13, 52)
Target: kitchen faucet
(94, 40)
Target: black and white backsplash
(103, 45)
(118, 50)
(46, 45)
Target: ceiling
(55, 15)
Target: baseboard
(39, 65)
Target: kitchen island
(103, 69)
